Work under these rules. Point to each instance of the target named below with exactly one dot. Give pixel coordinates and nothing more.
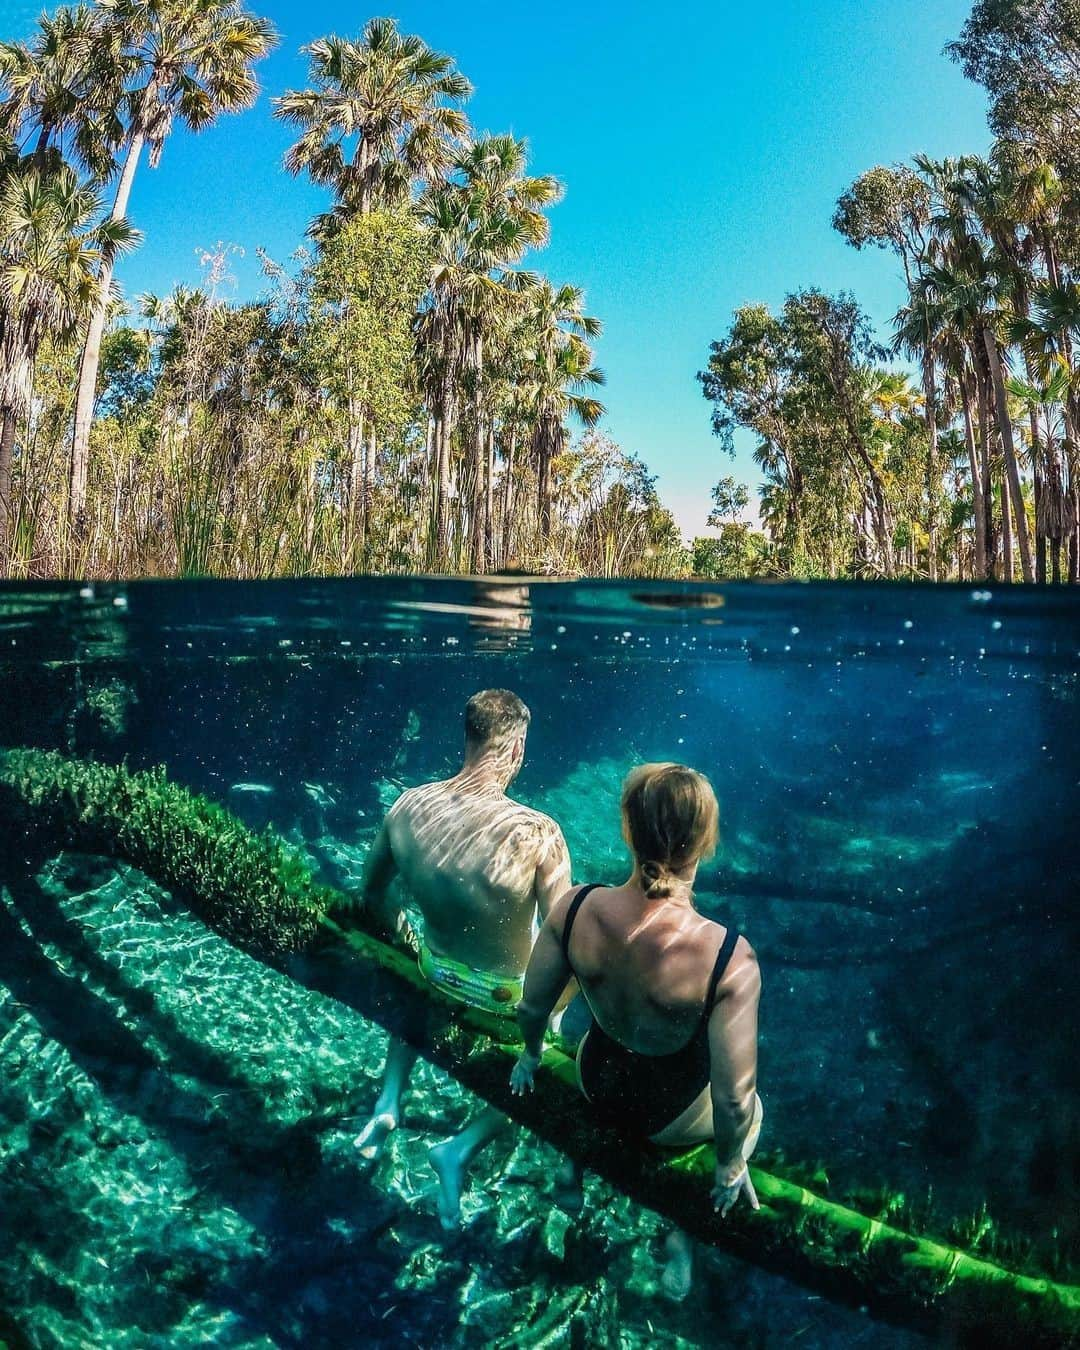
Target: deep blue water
(898, 774)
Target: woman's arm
(733, 1035)
(546, 977)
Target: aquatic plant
(251, 888)
(254, 890)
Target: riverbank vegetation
(401, 398)
(408, 394)
(953, 452)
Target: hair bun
(657, 880)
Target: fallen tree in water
(258, 894)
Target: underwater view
(193, 1019)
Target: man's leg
(399, 1061)
(452, 1158)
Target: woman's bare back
(644, 965)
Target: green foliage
(887, 208)
(729, 500)
(739, 551)
(1027, 55)
(365, 288)
(801, 381)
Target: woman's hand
(731, 1182)
(521, 1079)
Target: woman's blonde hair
(671, 820)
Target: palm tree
(504, 212)
(1055, 511)
(1049, 335)
(62, 86)
(557, 375)
(483, 219)
(51, 251)
(973, 299)
(380, 116)
(186, 60)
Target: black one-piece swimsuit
(645, 1093)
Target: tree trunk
(371, 456)
(508, 501)
(353, 505)
(442, 492)
(1006, 531)
(930, 395)
(985, 471)
(1012, 470)
(1074, 542)
(479, 458)
(976, 482)
(543, 484)
(1040, 538)
(7, 506)
(489, 501)
(86, 393)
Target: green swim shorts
(478, 988)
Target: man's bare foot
(678, 1277)
(568, 1194)
(450, 1170)
(372, 1138)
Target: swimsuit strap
(723, 957)
(571, 915)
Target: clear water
(897, 771)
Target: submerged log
(256, 892)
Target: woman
(672, 1052)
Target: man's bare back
(479, 866)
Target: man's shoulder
(529, 815)
(419, 792)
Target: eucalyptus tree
(366, 283)
(889, 208)
(896, 208)
(1027, 55)
(183, 61)
(52, 248)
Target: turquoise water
(897, 770)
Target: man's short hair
(493, 717)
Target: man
(483, 870)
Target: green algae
(258, 894)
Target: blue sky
(702, 150)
